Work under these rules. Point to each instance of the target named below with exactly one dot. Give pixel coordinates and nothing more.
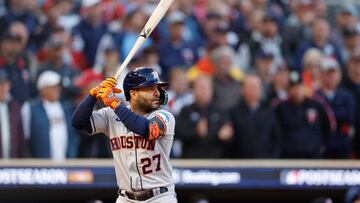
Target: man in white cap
(342, 103)
(47, 121)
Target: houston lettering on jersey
(131, 142)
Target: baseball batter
(140, 135)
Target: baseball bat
(150, 25)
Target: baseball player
(140, 135)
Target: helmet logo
(156, 75)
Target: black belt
(143, 195)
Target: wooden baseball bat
(150, 25)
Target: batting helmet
(144, 77)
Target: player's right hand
(107, 96)
(95, 90)
(108, 82)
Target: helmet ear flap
(163, 96)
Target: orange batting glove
(107, 96)
(94, 91)
(108, 82)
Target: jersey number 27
(146, 164)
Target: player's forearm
(136, 123)
(81, 116)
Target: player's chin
(156, 104)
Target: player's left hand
(107, 96)
(109, 82)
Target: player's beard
(147, 105)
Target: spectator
(19, 29)
(297, 27)
(179, 94)
(68, 19)
(191, 30)
(242, 10)
(255, 126)
(351, 42)
(305, 123)
(249, 36)
(279, 85)
(320, 31)
(88, 32)
(346, 18)
(352, 83)
(12, 141)
(220, 36)
(265, 67)
(71, 56)
(111, 62)
(201, 126)
(55, 62)
(208, 26)
(58, 15)
(149, 57)
(51, 12)
(252, 24)
(133, 25)
(342, 103)
(17, 11)
(112, 11)
(320, 8)
(175, 51)
(92, 146)
(48, 120)
(123, 39)
(16, 66)
(152, 59)
(203, 66)
(226, 78)
(311, 70)
(268, 38)
(84, 81)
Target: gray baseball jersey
(140, 164)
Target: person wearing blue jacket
(342, 103)
(47, 121)
(305, 122)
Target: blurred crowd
(248, 78)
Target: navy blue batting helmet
(144, 77)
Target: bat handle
(120, 70)
(131, 54)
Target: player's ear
(133, 94)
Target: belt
(143, 195)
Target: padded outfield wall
(217, 180)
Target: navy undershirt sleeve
(81, 116)
(134, 122)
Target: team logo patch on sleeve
(157, 127)
(154, 131)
